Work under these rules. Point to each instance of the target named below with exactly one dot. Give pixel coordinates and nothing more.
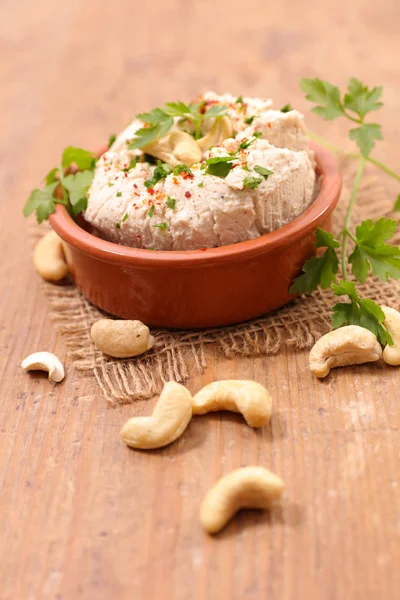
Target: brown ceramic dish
(198, 288)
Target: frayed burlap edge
(297, 325)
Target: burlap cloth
(297, 325)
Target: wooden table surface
(82, 516)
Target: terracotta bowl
(198, 288)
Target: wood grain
(82, 515)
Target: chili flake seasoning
(188, 194)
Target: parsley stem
(347, 221)
(383, 168)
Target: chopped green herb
(171, 202)
(125, 217)
(252, 182)
(249, 120)
(117, 226)
(111, 140)
(181, 169)
(77, 185)
(201, 184)
(160, 172)
(246, 143)
(263, 171)
(219, 166)
(83, 159)
(132, 165)
(286, 108)
(119, 194)
(151, 211)
(161, 226)
(245, 168)
(239, 100)
(110, 184)
(52, 176)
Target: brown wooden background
(81, 515)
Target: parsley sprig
(160, 120)
(73, 186)
(371, 254)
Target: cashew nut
(49, 259)
(350, 345)
(247, 397)
(248, 487)
(121, 339)
(174, 148)
(44, 361)
(169, 420)
(391, 354)
(221, 129)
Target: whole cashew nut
(248, 487)
(247, 397)
(121, 339)
(221, 129)
(391, 354)
(350, 345)
(174, 148)
(48, 258)
(169, 420)
(44, 361)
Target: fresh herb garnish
(110, 184)
(249, 120)
(160, 120)
(239, 100)
(181, 168)
(73, 187)
(252, 182)
(117, 226)
(125, 217)
(119, 194)
(161, 226)
(371, 254)
(263, 171)
(161, 171)
(171, 202)
(111, 140)
(219, 166)
(286, 108)
(132, 164)
(201, 184)
(151, 211)
(246, 143)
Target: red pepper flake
(188, 194)
(139, 236)
(151, 191)
(269, 125)
(186, 175)
(203, 249)
(134, 185)
(176, 182)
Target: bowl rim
(321, 208)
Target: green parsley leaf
(147, 135)
(363, 312)
(372, 252)
(161, 171)
(110, 184)
(117, 226)
(51, 176)
(319, 270)
(41, 201)
(252, 182)
(151, 211)
(154, 117)
(201, 184)
(325, 95)
(360, 99)
(217, 110)
(111, 140)
(178, 109)
(286, 108)
(171, 202)
(181, 169)
(219, 166)
(239, 100)
(249, 120)
(364, 136)
(119, 194)
(84, 159)
(396, 206)
(132, 164)
(246, 143)
(77, 186)
(263, 171)
(161, 226)
(125, 217)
